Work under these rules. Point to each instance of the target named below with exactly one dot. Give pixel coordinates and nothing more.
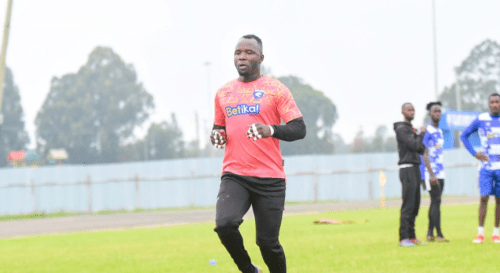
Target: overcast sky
(368, 57)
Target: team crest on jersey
(257, 94)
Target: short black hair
(252, 36)
(404, 104)
(493, 95)
(431, 104)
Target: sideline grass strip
(363, 247)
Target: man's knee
(223, 225)
(269, 245)
(484, 199)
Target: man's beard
(244, 74)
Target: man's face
(247, 57)
(495, 105)
(435, 113)
(408, 112)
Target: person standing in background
(434, 170)
(410, 146)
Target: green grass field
(362, 247)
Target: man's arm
(406, 137)
(293, 130)
(218, 134)
(473, 127)
(219, 127)
(432, 177)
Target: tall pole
(197, 129)
(209, 105)
(4, 52)
(435, 48)
(457, 91)
(207, 64)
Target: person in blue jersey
(488, 127)
(433, 170)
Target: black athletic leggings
(435, 209)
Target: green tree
(359, 144)
(92, 112)
(391, 144)
(13, 135)
(164, 140)
(378, 142)
(340, 146)
(319, 114)
(478, 77)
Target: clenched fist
(259, 130)
(218, 138)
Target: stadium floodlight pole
(457, 91)
(207, 64)
(3, 55)
(209, 105)
(435, 48)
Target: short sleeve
(287, 108)
(219, 117)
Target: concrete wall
(195, 182)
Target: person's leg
(483, 205)
(408, 204)
(497, 212)
(415, 180)
(496, 190)
(486, 189)
(233, 201)
(268, 203)
(496, 232)
(434, 193)
(437, 217)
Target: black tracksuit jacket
(410, 144)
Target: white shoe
(479, 239)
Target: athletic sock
(480, 231)
(496, 232)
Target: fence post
(137, 194)
(193, 189)
(33, 203)
(89, 193)
(316, 181)
(370, 180)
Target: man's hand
(258, 130)
(482, 157)
(218, 138)
(423, 129)
(433, 180)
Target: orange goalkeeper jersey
(238, 105)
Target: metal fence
(195, 182)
